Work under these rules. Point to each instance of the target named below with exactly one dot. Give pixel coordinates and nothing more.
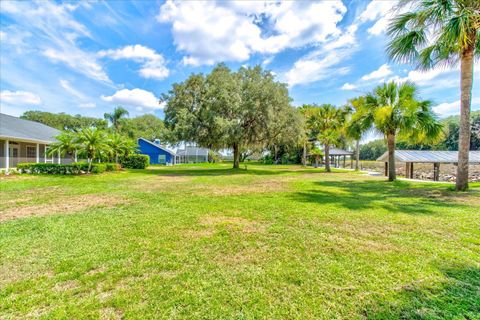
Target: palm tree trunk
(236, 156)
(116, 157)
(304, 155)
(391, 157)
(357, 155)
(89, 164)
(327, 158)
(466, 75)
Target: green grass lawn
(207, 242)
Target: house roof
(20, 129)
(430, 156)
(340, 152)
(158, 146)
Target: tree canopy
(236, 110)
(63, 121)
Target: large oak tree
(226, 109)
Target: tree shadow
(215, 172)
(396, 197)
(458, 297)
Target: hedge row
(135, 161)
(73, 168)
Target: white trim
(38, 153)
(25, 140)
(7, 154)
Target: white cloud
(323, 63)
(452, 108)
(66, 85)
(134, 98)
(153, 64)
(54, 32)
(348, 86)
(19, 98)
(381, 72)
(381, 12)
(88, 105)
(210, 31)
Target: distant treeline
(147, 126)
(374, 149)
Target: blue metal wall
(153, 152)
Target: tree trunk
(236, 156)
(275, 154)
(304, 155)
(357, 155)
(391, 157)
(116, 157)
(466, 80)
(89, 164)
(327, 158)
(316, 161)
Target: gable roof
(158, 146)
(16, 128)
(430, 156)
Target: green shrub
(136, 161)
(112, 166)
(49, 168)
(99, 168)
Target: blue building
(158, 154)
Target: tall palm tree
(94, 143)
(66, 144)
(442, 33)
(115, 117)
(394, 110)
(120, 145)
(327, 122)
(355, 126)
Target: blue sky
(89, 57)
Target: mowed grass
(208, 242)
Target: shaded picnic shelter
(336, 157)
(409, 157)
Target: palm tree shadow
(458, 297)
(398, 197)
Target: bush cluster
(73, 168)
(135, 161)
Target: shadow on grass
(396, 197)
(458, 297)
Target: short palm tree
(66, 144)
(120, 146)
(327, 122)
(115, 117)
(317, 154)
(355, 126)
(94, 143)
(442, 33)
(394, 110)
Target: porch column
(38, 153)
(407, 170)
(411, 170)
(344, 162)
(59, 155)
(436, 171)
(7, 155)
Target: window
(162, 159)
(31, 152)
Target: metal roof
(430, 156)
(340, 152)
(20, 129)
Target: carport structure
(409, 157)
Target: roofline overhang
(25, 140)
(158, 146)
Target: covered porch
(15, 151)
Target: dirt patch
(66, 286)
(62, 205)
(246, 256)
(233, 223)
(111, 313)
